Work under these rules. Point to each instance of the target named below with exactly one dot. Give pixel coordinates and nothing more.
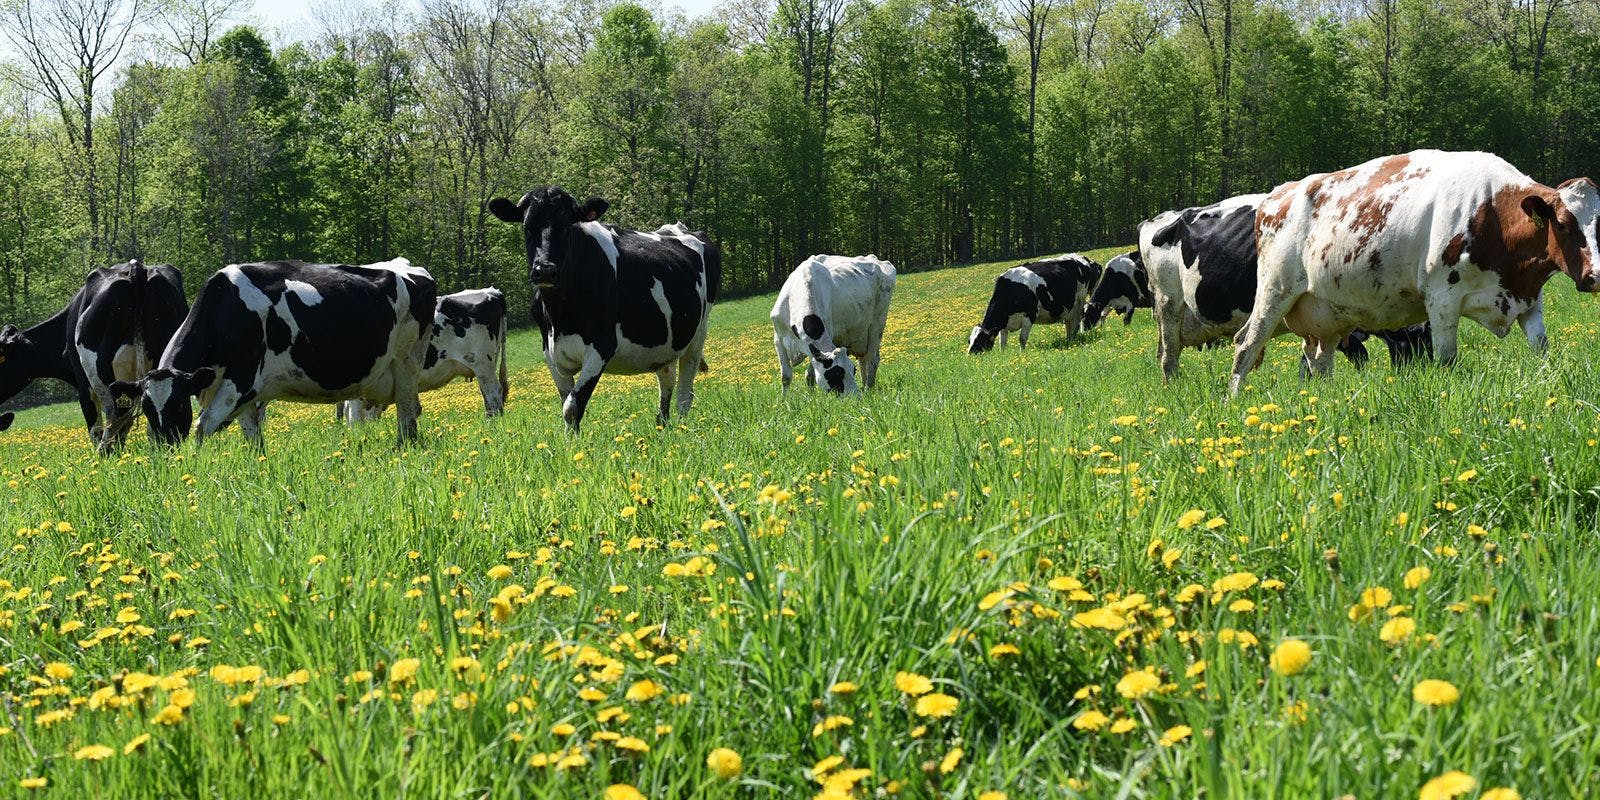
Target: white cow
(468, 341)
(830, 307)
(1427, 235)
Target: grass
(1024, 529)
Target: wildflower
(499, 572)
(1138, 683)
(563, 729)
(1103, 618)
(1448, 786)
(168, 715)
(1237, 582)
(1397, 630)
(93, 752)
(1376, 597)
(951, 759)
(1003, 649)
(726, 763)
(1291, 657)
(1190, 518)
(1090, 720)
(404, 670)
(135, 744)
(1500, 793)
(59, 671)
(1175, 734)
(843, 687)
(622, 791)
(830, 723)
(644, 691)
(1416, 576)
(911, 683)
(1123, 725)
(937, 704)
(992, 795)
(34, 783)
(1435, 693)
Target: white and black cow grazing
(1124, 287)
(613, 300)
(829, 308)
(1045, 291)
(468, 340)
(1202, 265)
(286, 330)
(114, 329)
(1427, 235)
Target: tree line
(925, 131)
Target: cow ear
(592, 210)
(1538, 208)
(123, 393)
(200, 379)
(505, 210)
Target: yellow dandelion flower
(34, 783)
(911, 683)
(1435, 693)
(1448, 786)
(1190, 518)
(1004, 649)
(950, 760)
(1138, 683)
(1416, 576)
(644, 691)
(59, 671)
(1291, 657)
(1123, 725)
(135, 744)
(1397, 630)
(93, 752)
(937, 704)
(726, 763)
(169, 715)
(404, 670)
(1090, 720)
(843, 687)
(1500, 793)
(622, 791)
(499, 572)
(1175, 734)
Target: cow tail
(505, 384)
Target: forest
(929, 132)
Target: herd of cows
(1400, 247)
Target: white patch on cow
(602, 236)
(1583, 200)
(401, 266)
(1121, 264)
(158, 392)
(250, 294)
(307, 293)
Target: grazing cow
(6, 419)
(1124, 287)
(468, 340)
(114, 329)
(614, 300)
(1202, 264)
(286, 330)
(1045, 291)
(830, 307)
(1426, 235)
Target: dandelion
(404, 670)
(950, 760)
(93, 752)
(1003, 649)
(911, 683)
(499, 572)
(1500, 793)
(1138, 683)
(1123, 725)
(59, 671)
(1397, 630)
(1090, 720)
(937, 704)
(622, 791)
(992, 795)
(1435, 693)
(1291, 657)
(135, 744)
(1190, 518)
(34, 783)
(1448, 786)
(1175, 734)
(843, 687)
(169, 715)
(726, 763)
(1416, 576)
(644, 691)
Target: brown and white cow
(1427, 235)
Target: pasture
(1083, 576)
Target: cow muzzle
(1589, 283)
(542, 275)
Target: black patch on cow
(834, 375)
(431, 358)
(279, 337)
(341, 338)
(1222, 246)
(1009, 297)
(462, 311)
(1455, 277)
(813, 326)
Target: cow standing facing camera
(614, 300)
(829, 308)
(1039, 292)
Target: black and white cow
(114, 329)
(1045, 291)
(286, 330)
(1123, 287)
(614, 300)
(1202, 265)
(829, 308)
(468, 340)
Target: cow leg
(1445, 317)
(1003, 332)
(407, 400)
(1319, 355)
(1532, 322)
(689, 365)
(494, 398)
(91, 416)
(1250, 344)
(870, 359)
(665, 377)
(252, 418)
(562, 380)
(1022, 335)
(1169, 329)
(1127, 316)
(785, 369)
(583, 388)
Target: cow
(1202, 266)
(1044, 291)
(6, 419)
(1426, 235)
(611, 300)
(113, 329)
(830, 307)
(468, 340)
(1123, 287)
(288, 330)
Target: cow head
(546, 214)
(6, 419)
(1573, 230)
(981, 340)
(16, 361)
(833, 370)
(164, 394)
